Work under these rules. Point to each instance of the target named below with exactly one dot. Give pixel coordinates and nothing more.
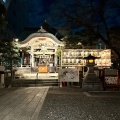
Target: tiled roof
(40, 33)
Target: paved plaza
(21, 103)
(54, 103)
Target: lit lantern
(90, 60)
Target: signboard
(111, 78)
(68, 75)
(42, 38)
(2, 68)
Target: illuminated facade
(39, 51)
(74, 57)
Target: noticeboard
(68, 75)
(111, 78)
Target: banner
(68, 75)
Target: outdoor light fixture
(91, 60)
(16, 39)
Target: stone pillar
(32, 57)
(2, 80)
(55, 59)
(22, 58)
(29, 59)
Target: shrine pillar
(32, 57)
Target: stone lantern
(90, 60)
(91, 82)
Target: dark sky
(39, 11)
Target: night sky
(40, 10)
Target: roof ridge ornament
(42, 30)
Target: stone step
(92, 86)
(25, 83)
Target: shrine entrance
(39, 52)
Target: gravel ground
(73, 104)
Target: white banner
(68, 75)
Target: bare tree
(91, 15)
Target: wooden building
(38, 51)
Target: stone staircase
(34, 82)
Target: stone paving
(21, 103)
(54, 103)
(73, 104)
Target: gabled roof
(40, 33)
